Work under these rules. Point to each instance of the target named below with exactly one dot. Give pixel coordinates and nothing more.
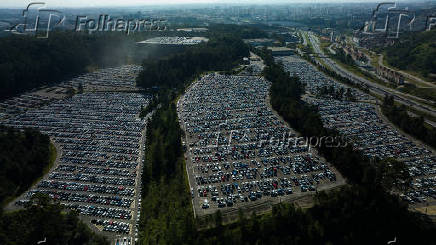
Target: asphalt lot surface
(239, 152)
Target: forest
(23, 158)
(167, 216)
(343, 57)
(221, 53)
(414, 52)
(414, 126)
(43, 220)
(27, 63)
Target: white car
(205, 204)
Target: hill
(415, 52)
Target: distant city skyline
(118, 3)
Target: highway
(373, 87)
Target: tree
(80, 88)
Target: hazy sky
(99, 3)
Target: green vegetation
(149, 108)
(222, 52)
(414, 126)
(335, 75)
(27, 63)
(414, 52)
(166, 210)
(238, 31)
(24, 156)
(420, 113)
(351, 215)
(339, 94)
(343, 57)
(43, 220)
(347, 62)
(52, 158)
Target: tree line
(23, 158)
(220, 53)
(27, 62)
(337, 94)
(24, 155)
(343, 57)
(414, 126)
(44, 220)
(167, 216)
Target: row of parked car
(95, 170)
(118, 201)
(233, 138)
(360, 123)
(22, 103)
(108, 79)
(112, 225)
(98, 135)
